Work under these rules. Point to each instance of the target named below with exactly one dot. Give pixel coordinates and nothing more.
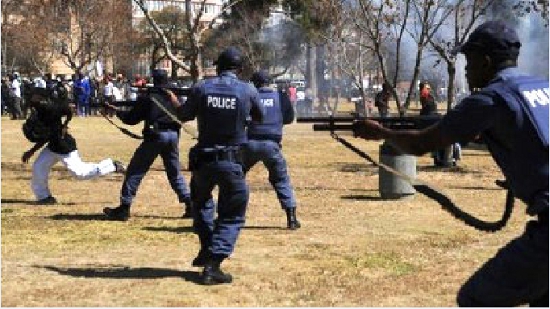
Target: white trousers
(72, 161)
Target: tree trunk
(451, 72)
(320, 90)
(311, 81)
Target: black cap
(230, 58)
(495, 38)
(160, 76)
(260, 78)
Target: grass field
(354, 249)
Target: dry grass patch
(354, 249)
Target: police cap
(230, 58)
(160, 76)
(495, 38)
(260, 78)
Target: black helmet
(229, 59)
(160, 77)
(260, 78)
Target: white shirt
(108, 89)
(16, 88)
(39, 82)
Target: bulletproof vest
(222, 112)
(272, 123)
(159, 118)
(526, 163)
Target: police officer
(222, 106)
(510, 112)
(264, 143)
(160, 137)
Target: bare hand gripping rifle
(354, 123)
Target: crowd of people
(240, 124)
(86, 94)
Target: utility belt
(152, 131)
(159, 127)
(199, 156)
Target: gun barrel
(332, 127)
(176, 90)
(345, 123)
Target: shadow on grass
(179, 230)
(451, 169)
(33, 202)
(280, 228)
(123, 272)
(361, 197)
(79, 217)
(476, 188)
(17, 201)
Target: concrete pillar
(390, 185)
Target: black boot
(212, 274)
(202, 257)
(188, 212)
(120, 213)
(291, 220)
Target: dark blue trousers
(218, 235)
(516, 275)
(270, 154)
(166, 145)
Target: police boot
(212, 274)
(201, 258)
(188, 212)
(291, 220)
(120, 213)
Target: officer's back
(278, 111)
(222, 105)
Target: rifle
(179, 92)
(353, 123)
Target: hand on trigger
(368, 129)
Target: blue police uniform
(511, 113)
(222, 106)
(264, 140)
(161, 137)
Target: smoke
(533, 34)
(533, 56)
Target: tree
(315, 18)
(453, 33)
(275, 48)
(78, 31)
(195, 32)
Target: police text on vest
(222, 103)
(537, 96)
(267, 102)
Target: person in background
(108, 95)
(15, 87)
(381, 100)
(427, 101)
